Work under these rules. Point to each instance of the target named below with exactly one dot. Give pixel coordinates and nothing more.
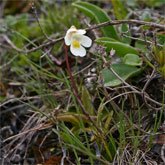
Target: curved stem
(70, 73)
(78, 96)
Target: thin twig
(45, 45)
(35, 128)
(9, 62)
(114, 22)
(12, 44)
(131, 87)
(31, 97)
(107, 95)
(45, 137)
(62, 148)
(162, 153)
(132, 21)
(150, 78)
(115, 97)
(138, 39)
(35, 12)
(85, 68)
(145, 40)
(2, 6)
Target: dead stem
(114, 22)
(145, 95)
(132, 21)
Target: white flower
(76, 39)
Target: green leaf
(99, 16)
(125, 29)
(2, 98)
(87, 102)
(99, 112)
(108, 120)
(132, 59)
(121, 48)
(123, 70)
(161, 38)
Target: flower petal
(68, 37)
(72, 29)
(67, 40)
(78, 51)
(81, 31)
(86, 41)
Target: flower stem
(78, 96)
(70, 73)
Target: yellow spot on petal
(76, 44)
(73, 27)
